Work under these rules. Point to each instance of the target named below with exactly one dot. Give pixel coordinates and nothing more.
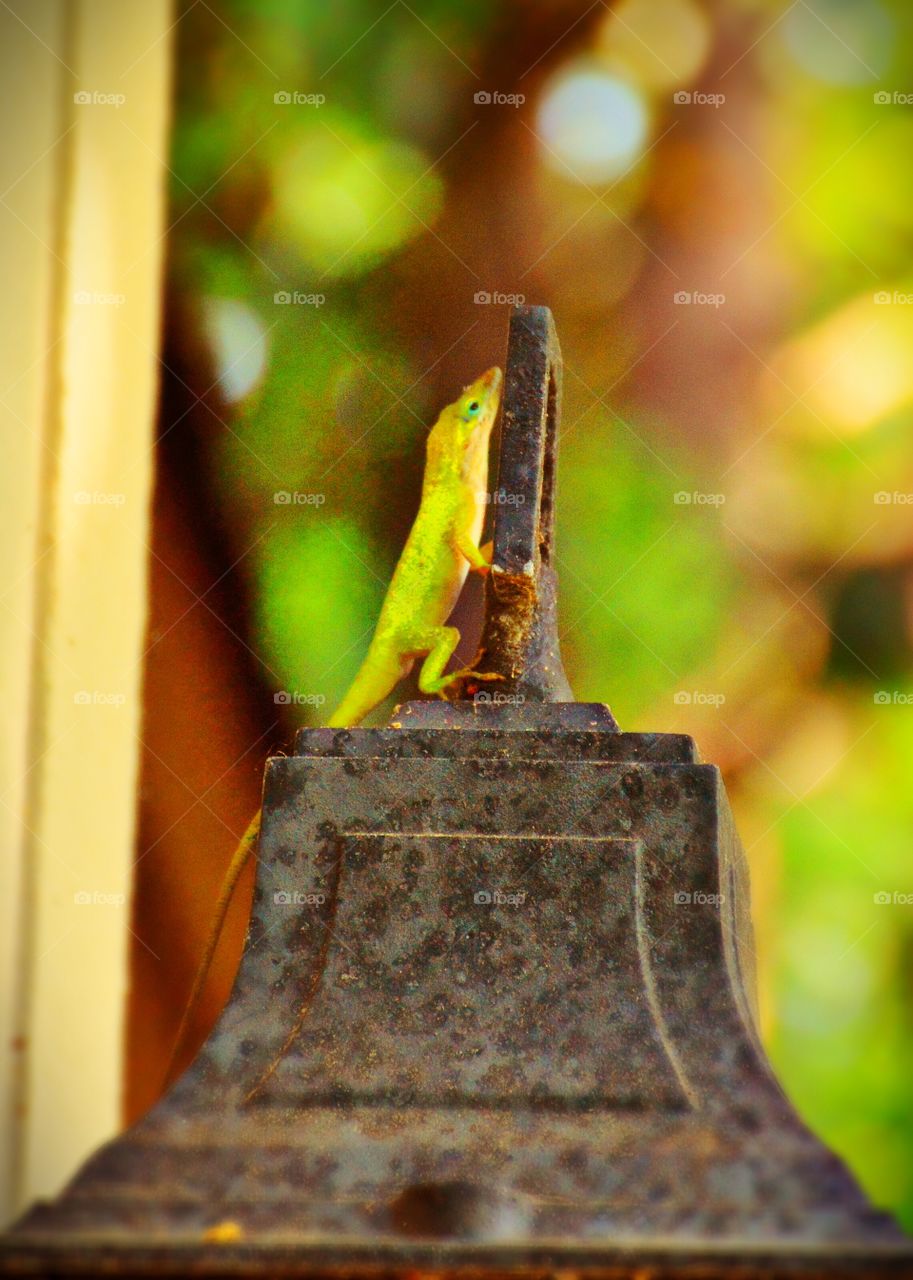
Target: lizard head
(476, 411)
(458, 444)
(471, 420)
(477, 407)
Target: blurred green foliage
(782, 410)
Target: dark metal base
(495, 1014)
(624, 1259)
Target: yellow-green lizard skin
(442, 546)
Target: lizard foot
(461, 682)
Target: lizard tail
(232, 876)
(376, 677)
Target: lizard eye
(473, 407)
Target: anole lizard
(443, 545)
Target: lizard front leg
(479, 557)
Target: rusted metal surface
(495, 1016)
(520, 636)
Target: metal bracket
(520, 633)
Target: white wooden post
(85, 101)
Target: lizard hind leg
(440, 643)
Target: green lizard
(443, 545)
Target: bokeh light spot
(592, 125)
(237, 339)
(838, 42)
(345, 201)
(660, 43)
(855, 364)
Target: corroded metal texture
(520, 637)
(495, 1014)
(495, 1010)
